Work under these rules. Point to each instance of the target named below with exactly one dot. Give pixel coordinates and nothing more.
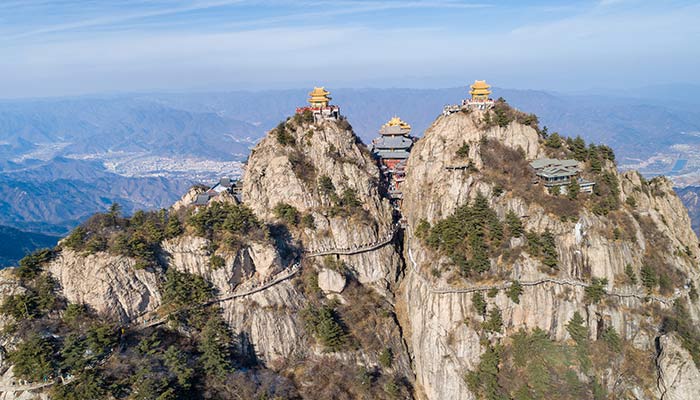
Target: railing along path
(26, 387)
(151, 318)
(536, 282)
(358, 249)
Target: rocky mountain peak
(324, 178)
(488, 244)
(316, 286)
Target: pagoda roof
(555, 168)
(394, 130)
(392, 142)
(480, 85)
(542, 163)
(557, 172)
(319, 91)
(396, 121)
(201, 199)
(480, 88)
(392, 154)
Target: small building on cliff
(225, 186)
(480, 99)
(320, 105)
(392, 148)
(555, 172)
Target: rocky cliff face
(324, 172)
(445, 345)
(108, 284)
(310, 169)
(413, 323)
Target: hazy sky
(66, 47)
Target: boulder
(331, 281)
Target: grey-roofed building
(556, 172)
(225, 185)
(201, 200)
(553, 162)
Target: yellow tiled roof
(396, 121)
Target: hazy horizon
(621, 92)
(71, 47)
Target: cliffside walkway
(152, 318)
(358, 249)
(293, 270)
(458, 167)
(27, 387)
(537, 282)
(33, 385)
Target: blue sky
(69, 47)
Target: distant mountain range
(14, 244)
(62, 159)
(55, 196)
(130, 124)
(690, 195)
(637, 126)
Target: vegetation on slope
(363, 322)
(193, 356)
(532, 366)
(473, 235)
(503, 114)
(138, 237)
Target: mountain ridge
(369, 321)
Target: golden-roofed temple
(396, 121)
(480, 91)
(319, 105)
(480, 100)
(319, 97)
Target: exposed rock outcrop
(290, 171)
(108, 284)
(331, 281)
(678, 375)
(444, 346)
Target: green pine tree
(549, 249)
(577, 329)
(515, 226)
(329, 331)
(33, 359)
(495, 321)
(573, 189)
(176, 361)
(174, 227)
(479, 304)
(484, 380)
(578, 147)
(214, 348)
(648, 276)
(514, 291)
(554, 141)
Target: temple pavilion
(392, 148)
(480, 99)
(320, 107)
(555, 172)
